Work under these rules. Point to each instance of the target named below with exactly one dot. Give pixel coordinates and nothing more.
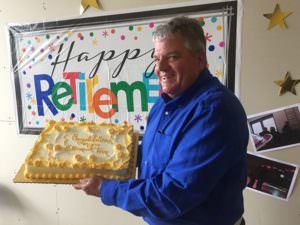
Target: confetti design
(52, 47)
(211, 48)
(94, 42)
(105, 34)
(28, 96)
(151, 25)
(219, 73)
(201, 21)
(82, 119)
(219, 27)
(138, 118)
(208, 37)
(72, 116)
(38, 40)
(213, 19)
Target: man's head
(180, 54)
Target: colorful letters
(76, 89)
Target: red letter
(72, 76)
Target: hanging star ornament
(85, 4)
(287, 84)
(277, 18)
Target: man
(192, 167)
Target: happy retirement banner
(100, 68)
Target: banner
(101, 68)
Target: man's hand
(90, 186)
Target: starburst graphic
(208, 37)
(138, 118)
(105, 34)
(28, 96)
(52, 47)
(82, 119)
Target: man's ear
(202, 59)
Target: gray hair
(190, 29)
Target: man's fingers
(82, 184)
(90, 186)
(84, 181)
(77, 186)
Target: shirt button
(166, 113)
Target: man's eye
(173, 57)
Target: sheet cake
(69, 150)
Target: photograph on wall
(275, 129)
(101, 69)
(270, 176)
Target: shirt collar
(187, 94)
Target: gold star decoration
(85, 4)
(287, 84)
(277, 18)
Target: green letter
(56, 96)
(129, 93)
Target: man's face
(177, 67)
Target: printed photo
(275, 129)
(271, 177)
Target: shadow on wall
(15, 209)
(10, 200)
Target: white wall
(266, 56)
(36, 204)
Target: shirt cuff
(108, 192)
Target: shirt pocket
(161, 150)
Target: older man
(192, 167)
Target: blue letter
(44, 95)
(151, 87)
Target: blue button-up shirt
(192, 166)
